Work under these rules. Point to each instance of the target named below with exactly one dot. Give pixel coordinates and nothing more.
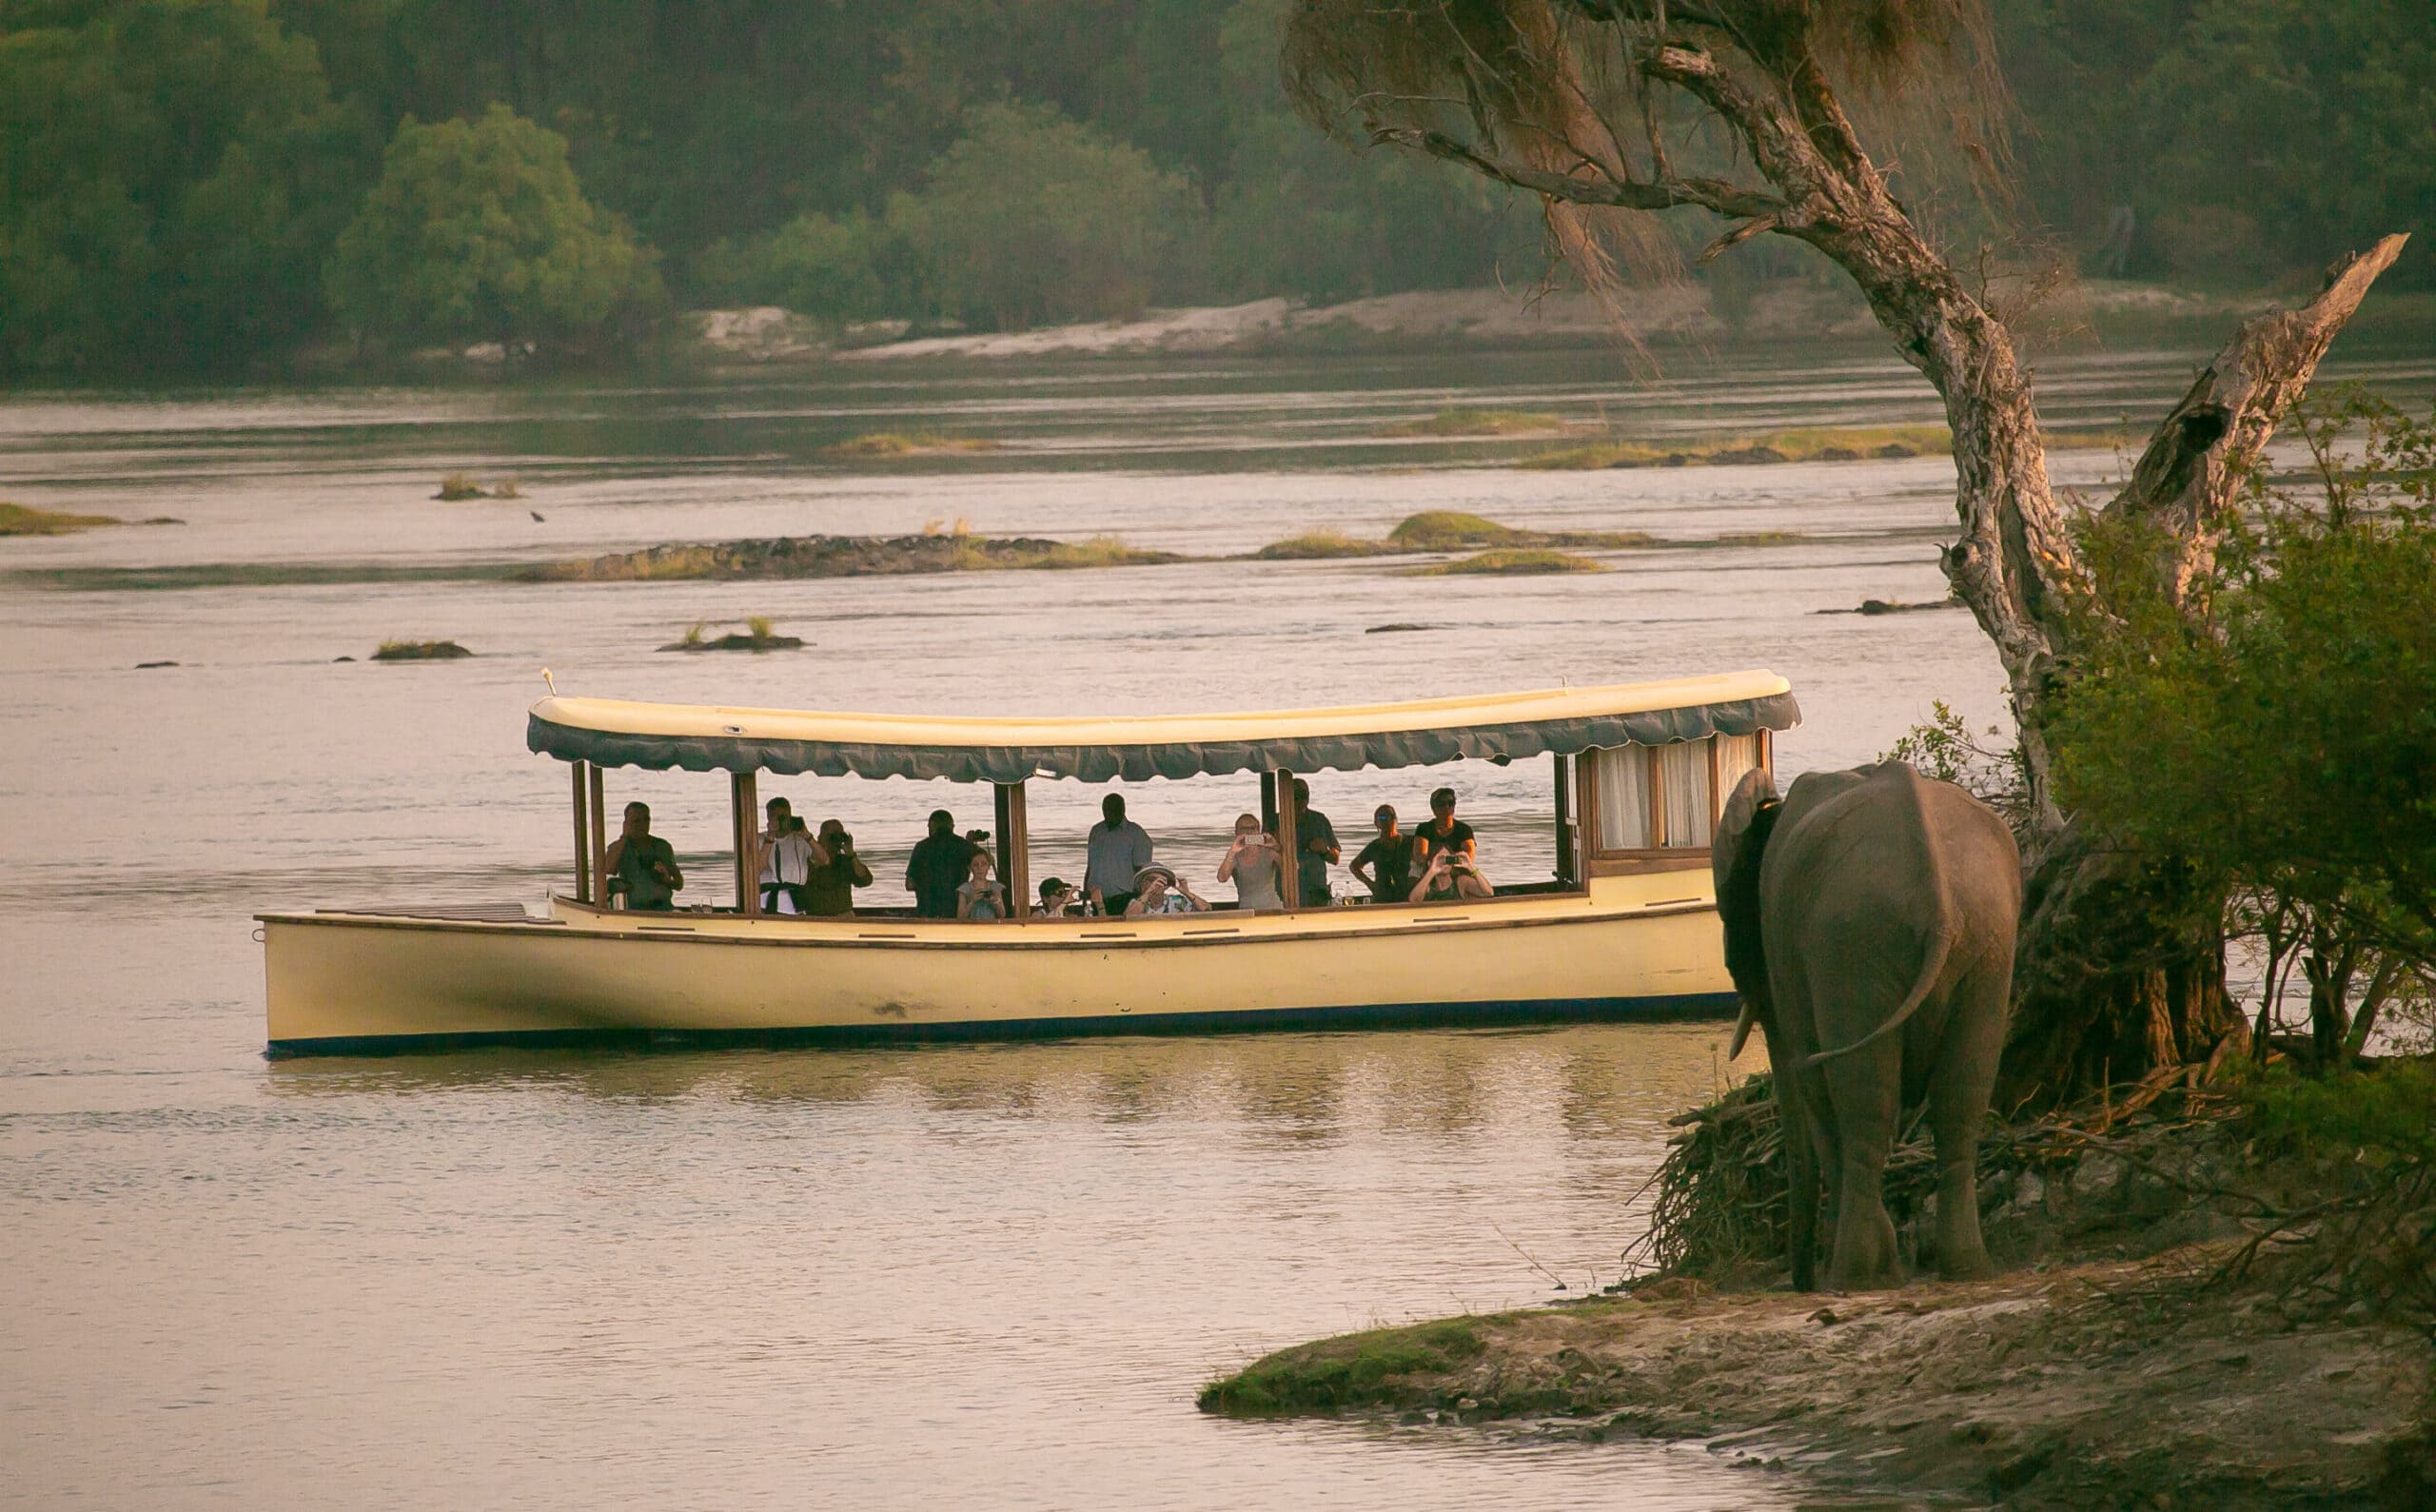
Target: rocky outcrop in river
(845, 557)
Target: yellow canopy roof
(701, 738)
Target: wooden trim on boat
(1640, 863)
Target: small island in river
(781, 557)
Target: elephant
(1870, 917)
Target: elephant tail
(1932, 960)
(1931, 968)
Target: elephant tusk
(1742, 1028)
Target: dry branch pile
(1719, 1207)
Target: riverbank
(2094, 311)
(2211, 1298)
(2065, 1386)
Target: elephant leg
(1795, 1125)
(1959, 1087)
(1865, 1095)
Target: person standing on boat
(1251, 864)
(793, 861)
(1384, 866)
(1117, 850)
(1316, 837)
(641, 864)
(941, 862)
(829, 890)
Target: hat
(1149, 871)
(1386, 811)
(1051, 885)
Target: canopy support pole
(1565, 871)
(600, 836)
(1586, 800)
(1015, 850)
(1277, 792)
(742, 787)
(582, 839)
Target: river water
(981, 1275)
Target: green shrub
(1452, 530)
(1320, 544)
(479, 232)
(1532, 562)
(2386, 1114)
(1356, 1370)
(824, 266)
(1033, 218)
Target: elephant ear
(1741, 841)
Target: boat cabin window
(1653, 799)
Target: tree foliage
(2247, 137)
(171, 174)
(2281, 740)
(478, 230)
(1031, 218)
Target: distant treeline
(190, 186)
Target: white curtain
(1623, 797)
(1683, 792)
(1736, 756)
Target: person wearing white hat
(1156, 889)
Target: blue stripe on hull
(1377, 1015)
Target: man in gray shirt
(1119, 848)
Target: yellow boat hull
(351, 983)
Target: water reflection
(1598, 1082)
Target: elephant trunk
(1737, 907)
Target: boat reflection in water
(1624, 927)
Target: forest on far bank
(205, 186)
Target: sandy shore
(2068, 1386)
(1472, 316)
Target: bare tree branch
(1736, 237)
(1632, 194)
(1782, 152)
(2186, 479)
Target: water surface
(990, 1275)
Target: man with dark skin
(1114, 853)
(641, 864)
(940, 862)
(1316, 837)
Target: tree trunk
(2120, 969)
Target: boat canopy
(613, 733)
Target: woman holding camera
(1450, 877)
(1251, 863)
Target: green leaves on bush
(479, 232)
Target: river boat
(1623, 926)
